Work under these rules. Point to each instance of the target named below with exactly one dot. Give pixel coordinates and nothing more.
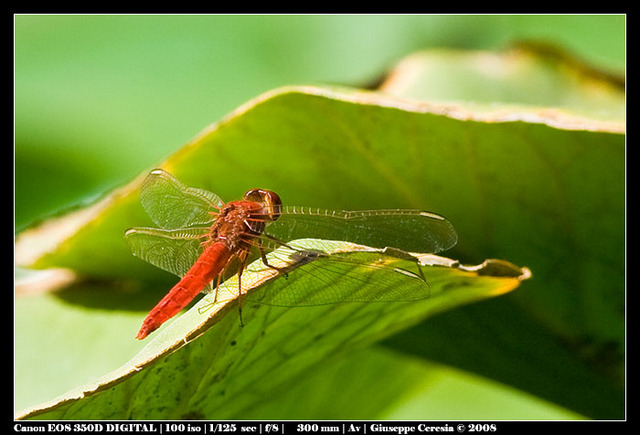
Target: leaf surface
(537, 181)
(228, 370)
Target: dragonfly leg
(263, 256)
(422, 275)
(215, 296)
(243, 262)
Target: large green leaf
(536, 80)
(538, 186)
(229, 370)
(569, 323)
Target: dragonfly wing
(172, 205)
(408, 230)
(172, 250)
(322, 279)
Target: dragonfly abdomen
(208, 266)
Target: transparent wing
(322, 279)
(171, 204)
(172, 250)
(407, 230)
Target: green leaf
(229, 370)
(566, 193)
(535, 79)
(539, 186)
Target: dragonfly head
(270, 201)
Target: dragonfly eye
(269, 200)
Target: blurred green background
(99, 99)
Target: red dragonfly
(201, 237)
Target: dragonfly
(200, 238)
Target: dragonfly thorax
(239, 223)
